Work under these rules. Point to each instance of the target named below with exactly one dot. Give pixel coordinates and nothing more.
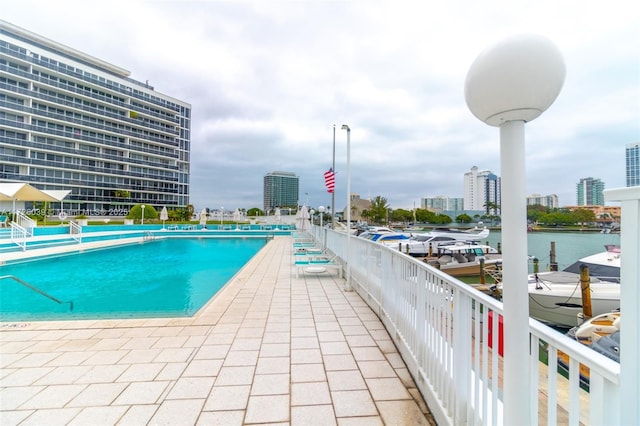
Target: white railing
(75, 230)
(25, 222)
(19, 235)
(442, 327)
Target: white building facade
(441, 203)
(70, 121)
(481, 190)
(550, 201)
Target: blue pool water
(165, 277)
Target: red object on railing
(500, 333)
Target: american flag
(330, 180)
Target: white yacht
(556, 297)
(421, 245)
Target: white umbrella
(277, 215)
(302, 219)
(237, 216)
(164, 215)
(203, 218)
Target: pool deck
(269, 348)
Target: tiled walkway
(269, 349)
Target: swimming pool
(167, 277)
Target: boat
(462, 259)
(602, 334)
(390, 238)
(555, 297)
(604, 265)
(473, 234)
(421, 245)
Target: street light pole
(142, 218)
(221, 215)
(333, 167)
(347, 286)
(508, 85)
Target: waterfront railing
(450, 336)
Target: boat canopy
(595, 270)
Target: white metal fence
(444, 330)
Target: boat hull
(560, 304)
(466, 270)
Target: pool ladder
(148, 236)
(37, 290)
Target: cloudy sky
(267, 81)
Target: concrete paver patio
(268, 349)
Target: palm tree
(379, 208)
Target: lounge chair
(316, 264)
(3, 221)
(306, 251)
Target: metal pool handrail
(37, 290)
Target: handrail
(148, 236)
(18, 235)
(25, 222)
(75, 230)
(37, 290)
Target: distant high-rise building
(441, 203)
(633, 164)
(280, 189)
(481, 191)
(589, 192)
(550, 201)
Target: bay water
(569, 246)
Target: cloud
(268, 80)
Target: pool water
(161, 278)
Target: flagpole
(333, 167)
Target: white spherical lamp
(516, 79)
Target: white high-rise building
(481, 190)
(70, 121)
(550, 201)
(441, 203)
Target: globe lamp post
(509, 84)
(321, 211)
(142, 215)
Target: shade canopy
(59, 195)
(21, 191)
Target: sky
(268, 80)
